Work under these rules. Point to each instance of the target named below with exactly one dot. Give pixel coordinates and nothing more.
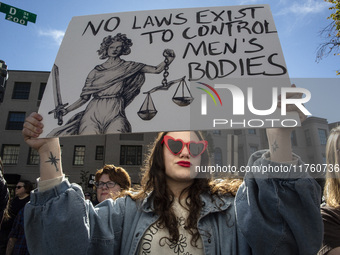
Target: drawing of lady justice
(112, 85)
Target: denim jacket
(267, 216)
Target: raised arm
(58, 211)
(278, 205)
(279, 139)
(279, 144)
(48, 148)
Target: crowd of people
(173, 212)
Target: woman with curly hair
(177, 210)
(111, 87)
(110, 182)
(330, 211)
(178, 193)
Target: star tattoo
(53, 160)
(275, 146)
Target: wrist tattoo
(275, 146)
(53, 160)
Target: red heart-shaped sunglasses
(176, 146)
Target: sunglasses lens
(196, 148)
(175, 146)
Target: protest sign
(165, 70)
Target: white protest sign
(147, 71)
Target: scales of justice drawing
(181, 97)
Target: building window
(238, 132)
(253, 149)
(217, 132)
(10, 154)
(41, 90)
(15, 120)
(252, 131)
(130, 154)
(322, 136)
(79, 155)
(308, 138)
(99, 152)
(218, 156)
(33, 158)
(293, 138)
(21, 90)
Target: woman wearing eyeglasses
(331, 209)
(174, 212)
(110, 181)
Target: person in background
(22, 196)
(110, 182)
(330, 210)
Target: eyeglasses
(176, 146)
(100, 185)
(18, 187)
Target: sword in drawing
(57, 96)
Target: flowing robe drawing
(112, 90)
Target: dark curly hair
(116, 174)
(154, 180)
(108, 40)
